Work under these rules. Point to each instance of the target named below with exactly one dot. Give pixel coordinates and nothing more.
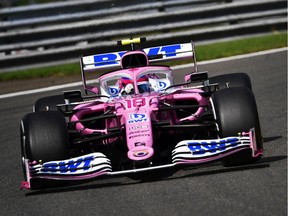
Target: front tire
(48, 103)
(44, 136)
(232, 80)
(235, 111)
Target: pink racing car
(135, 119)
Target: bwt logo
(111, 58)
(113, 91)
(199, 148)
(161, 85)
(137, 118)
(71, 166)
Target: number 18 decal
(136, 102)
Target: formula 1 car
(135, 119)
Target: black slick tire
(44, 136)
(48, 103)
(232, 80)
(235, 111)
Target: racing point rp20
(135, 119)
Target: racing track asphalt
(259, 189)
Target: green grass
(59, 71)
(203, 52)
(237, 47)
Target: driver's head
(142, 84)
(124, 81)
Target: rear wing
(155, 54)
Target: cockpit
(136, 81)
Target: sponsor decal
(107, 58)
(137, 118)
(113, 91)
(137, 132)
(134, 132)
(138, 127)
(113, 58)
(71, 167)
(140, 153)
(199, 148)
(161, 85)
(139, 135)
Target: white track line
(233, 58)
(51, 88)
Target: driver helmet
(143, 84)
(126, 84)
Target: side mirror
(198, 77)
(72, 96)
(92, 89)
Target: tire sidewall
(44, 136)
(235, 111)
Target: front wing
(191, 152)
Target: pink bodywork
(136, 112)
